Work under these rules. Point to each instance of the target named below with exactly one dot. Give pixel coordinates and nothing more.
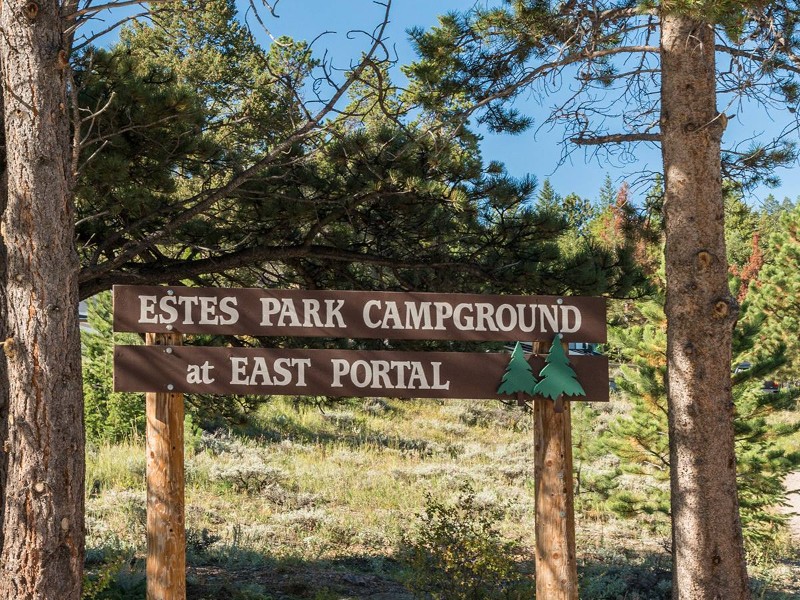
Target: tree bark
(42, 555)
(707, 547)
(3, 336)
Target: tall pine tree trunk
(42, 554)
(708, 554)
(3, 336)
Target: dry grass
(311, 488)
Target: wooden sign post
(166, 531)
(556, 565)
(165, 369)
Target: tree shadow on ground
(363, 577)
(634, 575)
(237, 574)
(230, 573)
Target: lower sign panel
(337, 373)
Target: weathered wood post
(556, 566)
(166, 534)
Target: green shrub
(117, 577)
(99, 580)
(458, 553)
(110, 416)
(249, 475)
(198, 541)
(635, 579)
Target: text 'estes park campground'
(375, 314)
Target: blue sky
(537, 151)
(532, 152)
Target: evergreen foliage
(639, 437)
(548, 199)
(579, 211)
(740, 223)
(654, 205)
(638, 487)
(475, 63)
(769, 215)
(368, 199)
(109, 415)
(608, 193)
(773, 298)
(629, 65)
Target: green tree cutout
(558, 378)
(518, 378)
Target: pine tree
(653, 218)
(43, 450)
(579, 212)
(558, 378)
(749, 272)
(109, 415)
(548, 199)
(608, 193)
(740, 224)
(638, 437)
(518, 378)
(770, 205)
(772, 297)
(370, 192)
(473, 66)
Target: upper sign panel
(347, 314)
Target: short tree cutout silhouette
(518, 378)
(558, 378)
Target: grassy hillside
(326, 504)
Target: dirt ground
(293, 583)
(793, 484)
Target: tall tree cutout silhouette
(518, 378)
(558, 378)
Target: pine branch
(204, 200)
(164, 271)
(91, 10)
(761, 56)
(556, 65)
(616, 138)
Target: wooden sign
(354, 315)
(336, 373)
(166, 369)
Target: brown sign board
(358, 314)
(337, 373)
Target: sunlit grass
(349, 480)
(118, 466)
